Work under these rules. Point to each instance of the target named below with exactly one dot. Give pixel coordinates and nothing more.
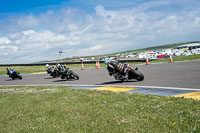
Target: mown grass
(69, 110)
(23, 69)
(35, 69)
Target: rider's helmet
(107, 60)
(47, 65)
(58, 65)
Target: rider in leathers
(120, 72)
(10, 71)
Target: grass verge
(35, 69)
(60, 109)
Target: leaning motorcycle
(49, 69)
(114, 67)
(13, 74)
(55, 72)
(69, 74)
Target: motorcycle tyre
(138, 75)
(62, 77)
(75, 76)
(20, 77)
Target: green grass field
(35, 69)
(60, 109)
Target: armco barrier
(78, 62)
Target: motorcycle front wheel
(20, 77)
(74, 75)
(137, 74)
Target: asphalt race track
(177, 74)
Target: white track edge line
(150, 87)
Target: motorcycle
(123, 71)
(69, 74)
(49, 69)
(62, 71)
(13, 74)
(55, 72)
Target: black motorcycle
(55, 72)
(49, 69)
(13, 74)
(123, 71)
(61, 71)
(69, 74)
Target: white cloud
(8, 49)
(197, 20)
(40, 37)
(96, 47)
(28, 32)
(4, 40)
(104, 31)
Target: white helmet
(47, 65)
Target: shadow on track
(12, 79)
(50, 78)
(64, 80)
(61, 80)
(115, 82)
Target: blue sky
(35, 30)
(26, 5)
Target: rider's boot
(125, 78)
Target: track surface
(178, 74)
